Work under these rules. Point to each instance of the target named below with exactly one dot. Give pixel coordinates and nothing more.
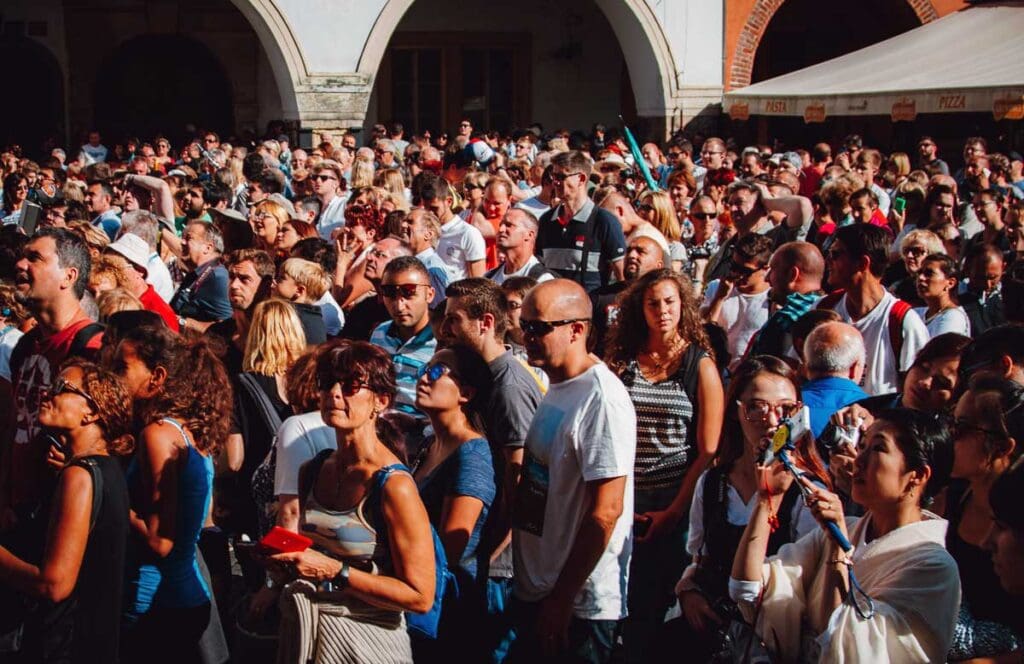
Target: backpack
(262, 482)
(419, 624)
(897, 313)
(78, 348)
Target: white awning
(968, 61)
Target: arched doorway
(566, 64)
(160, 84)
(34, 111)
(806, 32)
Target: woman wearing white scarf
(899, 558)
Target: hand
(773, 481)
(553, 625)
(853, 416)
(724, 289)
(698, 612)
(343, 243)
(825, 506)
(897, 219)
(309, 564)
(661, 522)
(840, 466)
(55, 458)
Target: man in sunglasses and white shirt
(329, 188)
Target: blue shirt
(439, 277)
(409, 357)
(824, 396)
(109, 223)
(468, 471)
(203, 294)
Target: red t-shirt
(151, 301)
(32, 378)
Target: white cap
(133, 248)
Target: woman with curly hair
(75, 570)
(183, 403)
(659, 349)
(364, 225)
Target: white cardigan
(908, 573)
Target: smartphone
(899, 204)
(282, 540)
(29, 219)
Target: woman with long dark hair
(15, 194)
(763, 392)
(937, 282)
(183, 404)
(659, 349)
(75, 576)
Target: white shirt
(94, 154)
(881, 373)
(159, 277)
(334, 317)
(8, 340)
(332, 216)
(584, 430)
(953, 319)
(534, 206)
(500, 276)
(460, 244)
(300, 438)
(741, 316)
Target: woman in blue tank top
(182, 399)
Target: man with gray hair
(145, 224)
(834, 358)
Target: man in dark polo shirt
(577, 239)
(202, 298)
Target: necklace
(663, 360)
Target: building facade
(143, 67)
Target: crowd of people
(496, 397)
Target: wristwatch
(181, 323)
(339, 582)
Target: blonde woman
(266, 219)
(392, 180)
(274, 343)
(94, 237)
(915, 246)
(656, 207)
(362, 174)
(473, 193)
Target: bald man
(834, 358)
(633, 226)
(795, 272)
(572, 520)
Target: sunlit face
(862, 209)
(458, 326)
(287, 237)
(285, 287)
(932, 281)
(974, 435)
(766, 401)
(496, 202)
(662, 307)
(942, 209)
(929, 385)
(447, 392)
(913, 256)
(67, 406)
(712, 155)
(348, 404)
(407, 310)
(38, 276)
(642, 256)
(243, 285)
(139, 379)
(513, 231)
(880, 473)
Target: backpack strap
(89, 464)
(80, 344)
(309, 471)
(259, 396)
(689, 370)
(22, 349)
(538, 271)
(714, 492)
(896, 315)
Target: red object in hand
(282, 540)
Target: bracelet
(841, 561)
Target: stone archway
(282, 49)
(742, 68)
(649, 58)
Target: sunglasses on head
(541, 328)
(405, 291)
(433, 372)
(350, 385)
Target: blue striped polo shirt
(409, 357)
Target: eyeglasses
(744, 271)
(710, 152)
(757, 410)
(559, 178)
(542, 328)
(61, 386)
(704, 216)
(962, 428)
(323, 178)
(349, 386)
(405, 291)
(433, 372)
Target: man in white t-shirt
(572, 520)
(856, 262)
(461, 246)
(517, 240)
(329, 187)
(94, 151)
(739, 301)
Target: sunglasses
(542, 328)
(405, 291)
(61, 386)
(433, 372)
(741, 270)
(915, 251)
(704, 216)
(323, 178)
(349, 386)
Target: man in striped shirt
(407, 337)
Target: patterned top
(409, 357)
(663, 415)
